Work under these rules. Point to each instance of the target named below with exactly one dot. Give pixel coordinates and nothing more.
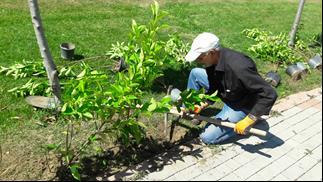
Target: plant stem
(277, 66)
(0, 154)
(86, 143)
(71, 136)
(66, 140)
(5, 107)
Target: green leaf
(74, 92)
(88, 115)
(141, 124)
(134, 84)
(145, 106)
(132, 97)
(75, 171)
(155, 8)
(153, 105)
(51, 147)
(93, 138)
(142, 55)
(81, 85)
(82, 74)
(67, 109)
(166, 99)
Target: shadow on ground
(270, 141)
(115, 160)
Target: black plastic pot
(301, 66)
(67, 50)
(315, 62)
(294, 72)
(273, 78)
(121, 65)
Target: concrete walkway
(292, 150)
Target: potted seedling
(315, 62)
(120, 66)
(294, 72)
(273, 78)
(303, 68)
(67, 50)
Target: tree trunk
(45, 52)
(292, 34)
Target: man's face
(208, 58)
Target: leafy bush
(176, 49)
(146, 53)
(274, 48)
(24, 69)
(115, 107)
(32, 87)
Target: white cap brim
(192, 56)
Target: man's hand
(245, 124)
(199, 108)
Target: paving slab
(291, 151)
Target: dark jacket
(239, 85)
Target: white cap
(201, 44)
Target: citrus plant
(147, 52)
(115, 106)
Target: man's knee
(209, 138)
(215, 134)
(196, 71)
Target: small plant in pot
(294, 72)
(302, 67)
(315, 62)
(273, 78)
(67, 50)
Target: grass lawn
(93, 25)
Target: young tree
(45, 52)
(292, 33)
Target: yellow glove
(245, 124)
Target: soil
(21, 160)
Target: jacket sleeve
(254, 83)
